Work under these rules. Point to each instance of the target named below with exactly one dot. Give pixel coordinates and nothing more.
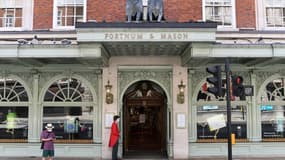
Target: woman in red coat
(114, 137)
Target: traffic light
(237, 87)
(216, 80)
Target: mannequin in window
(11, 122)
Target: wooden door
(144, 123)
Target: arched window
(13, 111)
(212, 114)
(68, 105)
(273, 110)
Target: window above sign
(11, 18)
(68, 12)
(275, 13)
(221, 11)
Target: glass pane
(219, 11)
(68, 90)
(14, 122)
(12, 91)
(239, 116)
(69, 2)
(18, 22)
(272, 120)
(219, 14)
(70, 11)
(275, 3)
(11, 17)
(70, 123)
(275, 16)
(79, 11)
(274, 91)
(70, 21)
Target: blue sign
(266, 108)
(210, 107)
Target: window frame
(14, 18)
(272, 98)
(7, 101)
(211, 100)
(68, 99)
(265, 6)
(55, 15)
(233, 19)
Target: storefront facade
(77, 73)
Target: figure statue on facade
(155, 7)
(134, 8)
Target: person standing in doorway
(48, 137)
(114, 137)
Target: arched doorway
(144, 108)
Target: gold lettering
(127, 36)
(140, 36)
(185, 36)
(163, 36)
(133, 36)
(169, 37)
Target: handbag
(42, 145)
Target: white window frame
(55, 15)
(59, 17)
(224, 27)
(261, 16)
(11, 17)
(68, 99)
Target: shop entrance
(144, 120)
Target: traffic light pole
(229, 109)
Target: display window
(13, 111)
(212, 117)
(210, 120)
(272, 110)
(68, 105)
(71, 124)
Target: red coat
(115, 134)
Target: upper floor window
(11, 17)
(275, 13)
(221, 11)
(68, 12)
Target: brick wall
(114, 11)
(106, 10)
(245, 13)
(43, 13)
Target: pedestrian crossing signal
(238, 87)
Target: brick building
(76, 63)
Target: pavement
(193, 158)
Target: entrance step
(146, 155)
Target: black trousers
(115, 151)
